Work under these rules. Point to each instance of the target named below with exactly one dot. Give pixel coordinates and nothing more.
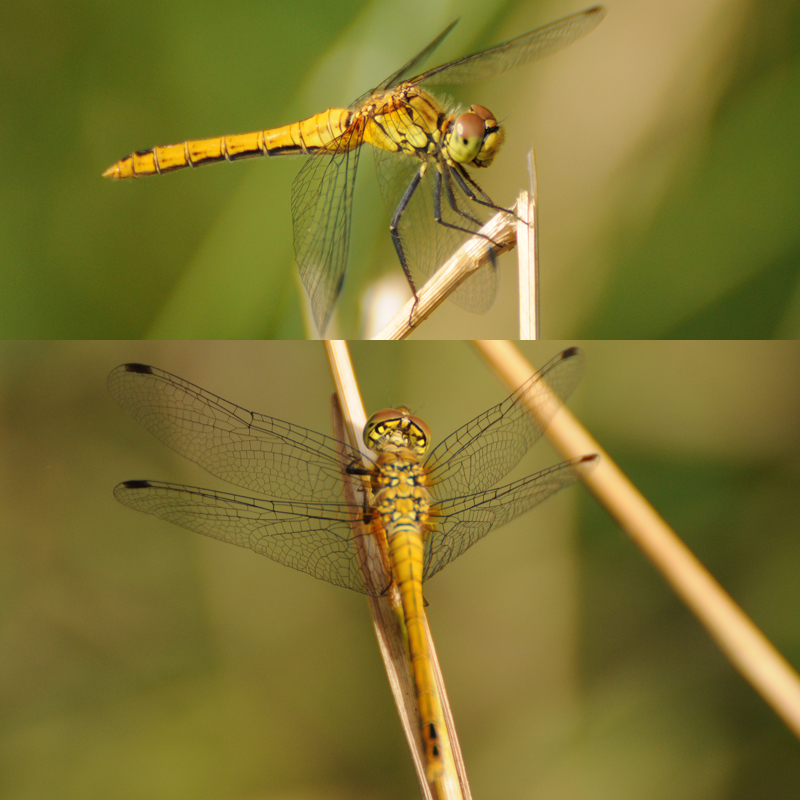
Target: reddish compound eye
(469, 126)
(482, 112)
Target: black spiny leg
(463, 178)
(398, 245)
(451, 200)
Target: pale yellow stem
(453, 785)
(736, 634)
(473, 255)
(528, 257)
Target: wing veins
(514, 52)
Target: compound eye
(420, 435)
(482, 112)
(467, 137)
(375, 426)
(397, 421)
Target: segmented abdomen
(307, 136)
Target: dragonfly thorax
(474, 137)
(405, 119)
(395, 428)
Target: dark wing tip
(596, 12)
(142, 368)
(135, 485)
(590, 459)
(570, 352)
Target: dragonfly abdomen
(402, 505)
(406, 550)
(307, 136)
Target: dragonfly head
(395, 428)
(475, 137)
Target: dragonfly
(427, 506)
(422, 147)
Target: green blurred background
(143, 661)
(666, 143)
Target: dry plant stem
(526, 269)
(744, 644)
(387, 613)
(528, 257)
(469, 258)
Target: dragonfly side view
(421, 151)
(426, 511)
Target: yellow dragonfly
(427, 507)
(421, 150)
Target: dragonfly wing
(312, 538)
(460, 522)
(480, 453)
(514, 53)
(428, 244)
(415, 63)
(251, 450)
(322, 200)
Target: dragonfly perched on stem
(428, 505)
(422, 148)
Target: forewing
(458, 523)
(480, 453)
(514, 53)
(250, 450)
(410, 67)
(322, 201)
(428, 244)
(312, 538)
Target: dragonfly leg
(398, 245)
(465, 181)
(451, 201)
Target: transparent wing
(428, 244)
(322, 200)
(312, 538)
(419, 59)
(514, 53)
(460, 522)
(250, 450)
(477, 455)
